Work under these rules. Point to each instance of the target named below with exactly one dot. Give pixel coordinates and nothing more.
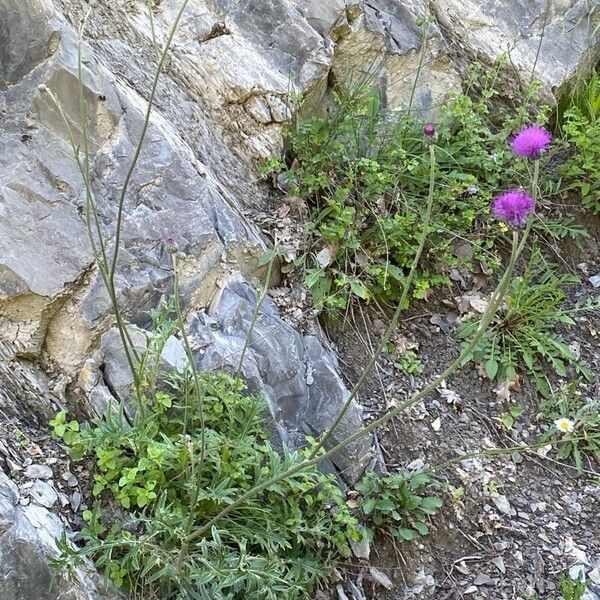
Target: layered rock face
(225, 95)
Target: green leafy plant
(278, 545)
(510, 416)
(208, 509)
(582, 129)
(524, 334)
(572, 590)
(67, 430)
(397, 504)
(584, 415)
(410, 363)
(365, 175)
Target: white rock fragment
(450, 396)
(503, 505)
(43, 494)
(416, 465)
(577, 572)
(70, 479)
(498, 562)
(483, 579)
(75, 501)
(422, 581)
(38, 472)
(381, 578)
(595, 280)
(594, 575)
(362, 548)
(341, 593)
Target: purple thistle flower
(513, 206)
(531, 141)
(429, 130)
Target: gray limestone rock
(117, 373)
(42, 493)
(487, 29)
(27, 540)
(36, 471)
(298, 374)
(382, 47)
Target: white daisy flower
(564, 425)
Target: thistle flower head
(564, 425)
(429, 130)
(513, 206)
(171, 245)
(531, 141)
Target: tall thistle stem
(394, 321)
(197, 470)
(107, 266)
(486, 319)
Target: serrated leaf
(491, 367)
(431, 503)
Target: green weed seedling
(397, 504)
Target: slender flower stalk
(491, 452)
(106, 266)
(98, 248)
(425, 31)
(259, 303)
(129, 348)
(401, 304)
(138, 150)
(196, 469)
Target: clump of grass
(581, 125)
(524, 334)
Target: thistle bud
(171, 245)
(429, 130)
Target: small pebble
(70, 479)
(381, 578)
(43, 494)
(38, 472)
(483, 579)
